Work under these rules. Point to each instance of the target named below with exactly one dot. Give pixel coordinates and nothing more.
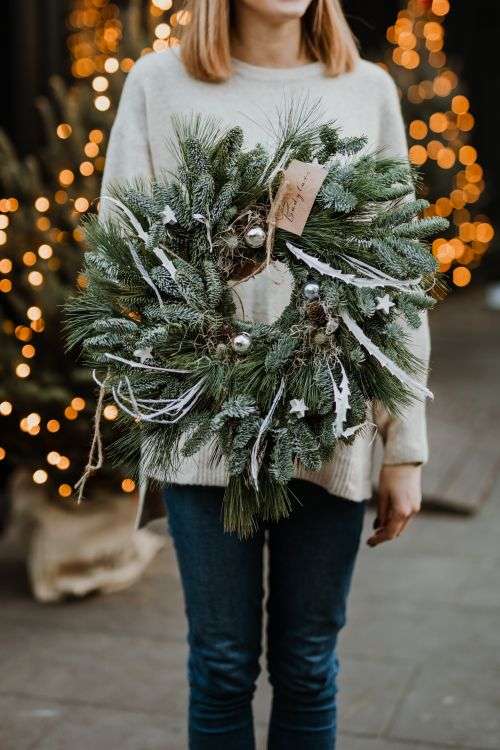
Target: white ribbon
(145, 275)
(341, 395)
(254, 461)
(143, 366)
(376, 273)
(383, 359)
(147, 409)
(165, 261)
(376, 278)
(144, 236)
(130, 216)
(174, 410)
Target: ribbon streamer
(147, 278)
(341, 395)
(147, 409)
(176, 408)
(165, 261)
(254, 461)
(376, 273)
(383, 359)
(130, 216)
(144, 236)
(383, 280)
(143, 366)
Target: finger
(404, 525)
(385, 533)
(383, 505)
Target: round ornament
(311, 290)
(241, 343)
(255, 237)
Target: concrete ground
(420, 656)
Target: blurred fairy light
(100, 83)
(23, 370)
(40, 476)
(5, 408)
(45, 251)
(162, 5)
(102, 103)
(64, 130)
(110, 412)
(95, 31)
(95, 35)
(5, 265)
(128, 485)
(66, 177)
(418, 40)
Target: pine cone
(316, 313)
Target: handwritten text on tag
(297, 193)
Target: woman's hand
(399, 499)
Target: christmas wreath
(157, 318)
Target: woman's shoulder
(374, 83)
(164, 65)
(374, 75)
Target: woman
(237, 60)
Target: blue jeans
(311, 560)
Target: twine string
(96, 445)
(276, 204)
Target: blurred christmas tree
(46, 399)
(440, 133)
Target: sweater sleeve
(128, 154)
(404, 436)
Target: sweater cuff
(406, 440)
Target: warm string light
(165, 31)
(95, 36)
(94, 45)
(418, 38)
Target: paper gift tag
(296, 195)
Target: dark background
(32, 45)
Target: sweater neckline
(263, 73)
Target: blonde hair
(206, 52)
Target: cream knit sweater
(362, 102)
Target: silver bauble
(311, 290)
(332, 325)
(255, 237)
(241, 343)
